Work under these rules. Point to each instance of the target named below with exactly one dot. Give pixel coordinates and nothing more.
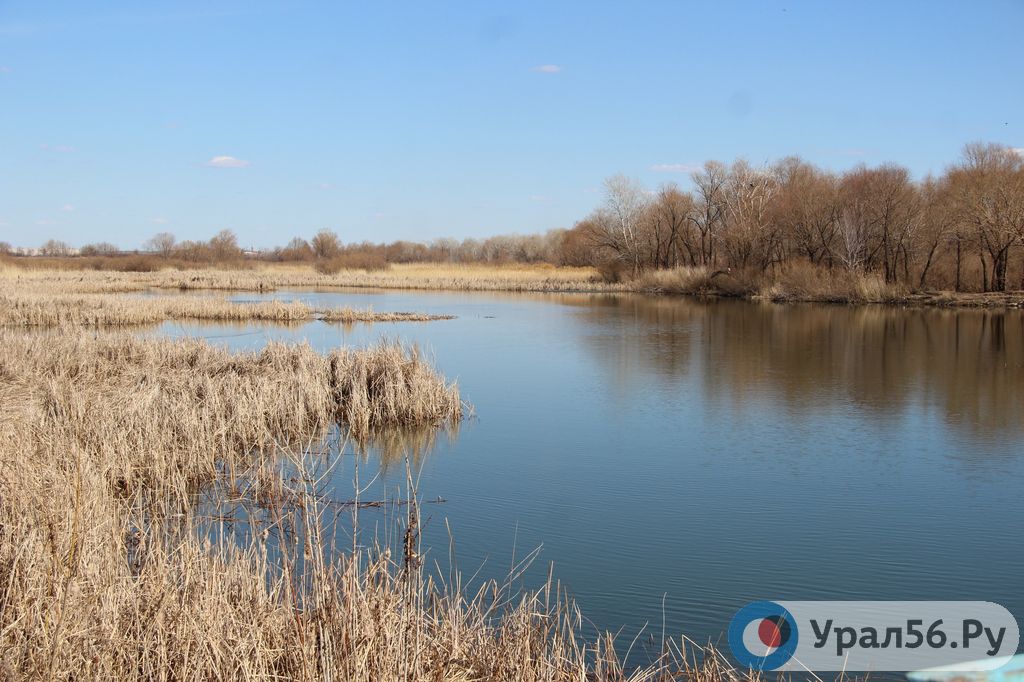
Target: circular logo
(763, 636)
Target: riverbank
(137, 574)
(788, 285)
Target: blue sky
(389, 121)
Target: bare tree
(806, 210)
(989, 188)
(297, 249)
(326, 244)
(55, 247)
(709, 213)
(938, 228)
(99, 249)
(224, 246)
(625, 203)
(749, 234)
(668, 228)
(886, 206)
(161, 243)
(853, 237)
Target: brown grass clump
(696, 281)
(347, 315)
(801, 281)
(681, 280)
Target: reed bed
(794, 282)
(268, 277)
(20, 309)
(106, 571)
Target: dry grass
(20, 309)
(347, 315)
(110, 570)
(805, 282)
(796, 281)
(267, 277)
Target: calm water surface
(676, 459)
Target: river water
(675, 459)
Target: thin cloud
(67, 208)
(60, 148)
(547, 68)
(226, 162)
(46, 222)
(159, 221)
(675, 167)
(325, 185)
(538, 197)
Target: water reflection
(968, 364)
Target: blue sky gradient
(389, 121)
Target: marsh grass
(268, 277)
(805, 282)
(112, 568)
(792, 282)
(25, 309)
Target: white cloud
(226, 162)
(159, 221)
(675, 167)
(67, 208)
(325, 185)
(547, 68)
(62, 148)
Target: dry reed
(430, 276)
(108, 569)
(793, 282)
(94, 310)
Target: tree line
(961, 230)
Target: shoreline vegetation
(22, 305)
(781, 231)
(111, 568)
(24, 289)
